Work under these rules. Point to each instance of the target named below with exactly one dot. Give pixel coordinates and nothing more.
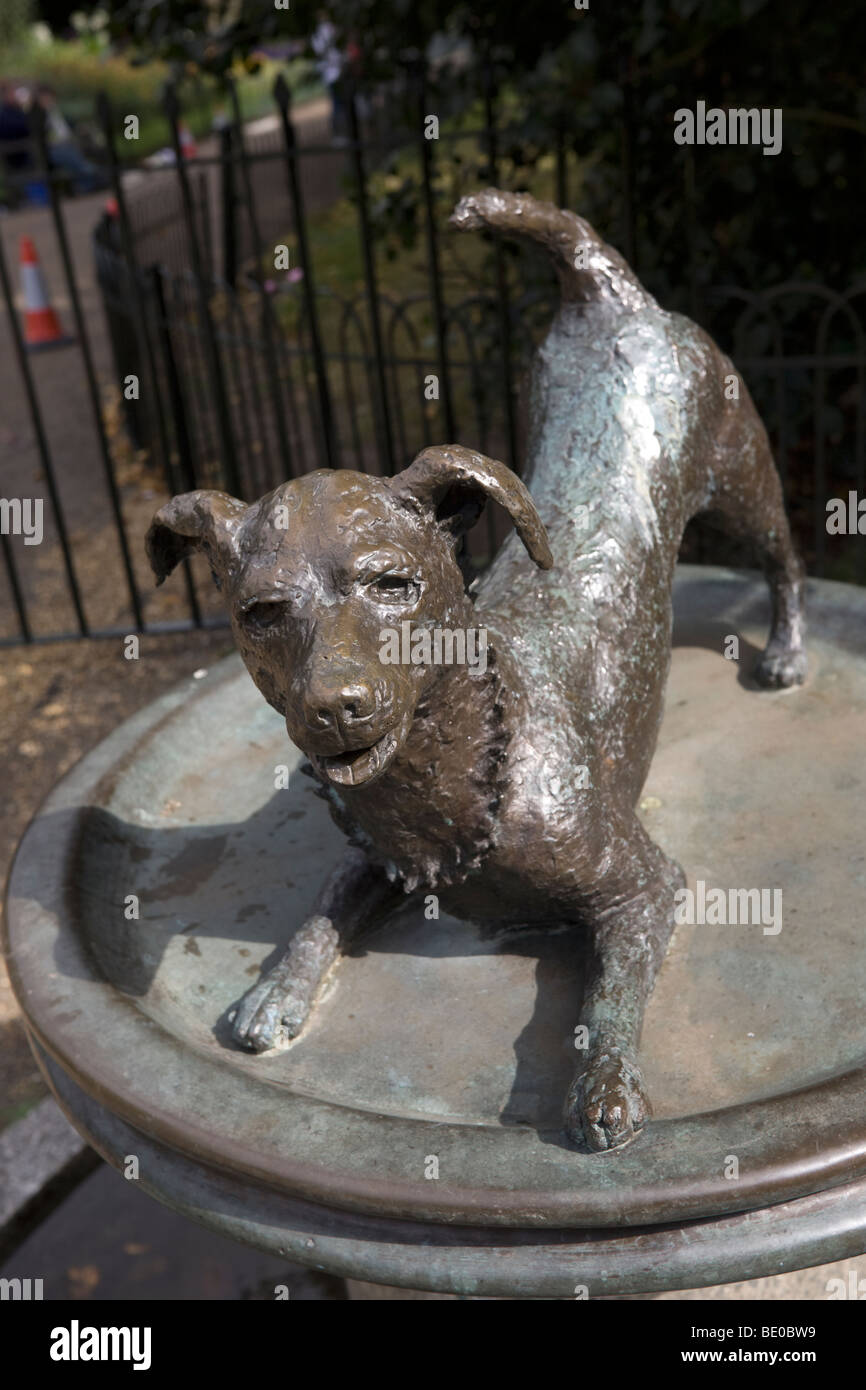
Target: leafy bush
(15, 16)
(611, 77)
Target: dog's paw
(607, 1104)
(780, 667)
(269, 1015)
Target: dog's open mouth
(359, 765)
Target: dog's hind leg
(275, 1010)
(748, 504)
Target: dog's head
(314, 572)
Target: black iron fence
(246, 352)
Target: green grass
(466, 268)
(78, 69)
(334, 235)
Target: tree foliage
(610, 77)
(15, 16)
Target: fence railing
(246, 375)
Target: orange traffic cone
(41, 324)
(188, 146)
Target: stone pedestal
(411, 1135)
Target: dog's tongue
(353, 768)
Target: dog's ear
(205, 521)
(454, 483)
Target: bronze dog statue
(511, 795)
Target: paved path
(59, 377)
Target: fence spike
(103, 109)
(282, 95)
(170, 102)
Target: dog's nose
(342, 706)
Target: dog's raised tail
(587, 267)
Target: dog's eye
(264, 617)
(393, 586)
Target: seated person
(15, 132)
(63, 150)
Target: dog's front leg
(607, 1103)
(274, 1011)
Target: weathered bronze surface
(444, 1039)
(478, 1261)
(468, 786)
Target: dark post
(283, 100)
(227, 203)
(272, 364)
(206, 225)
(38, 120)
(123, 333)
(819, 407)
(219, 394)
(130, 264)
(628, 162)
(370, 279)
(184, 448)
(501, 277)
(175, 391)
(561, 165)
(105, 117)
(419, 72)
(691, 230)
